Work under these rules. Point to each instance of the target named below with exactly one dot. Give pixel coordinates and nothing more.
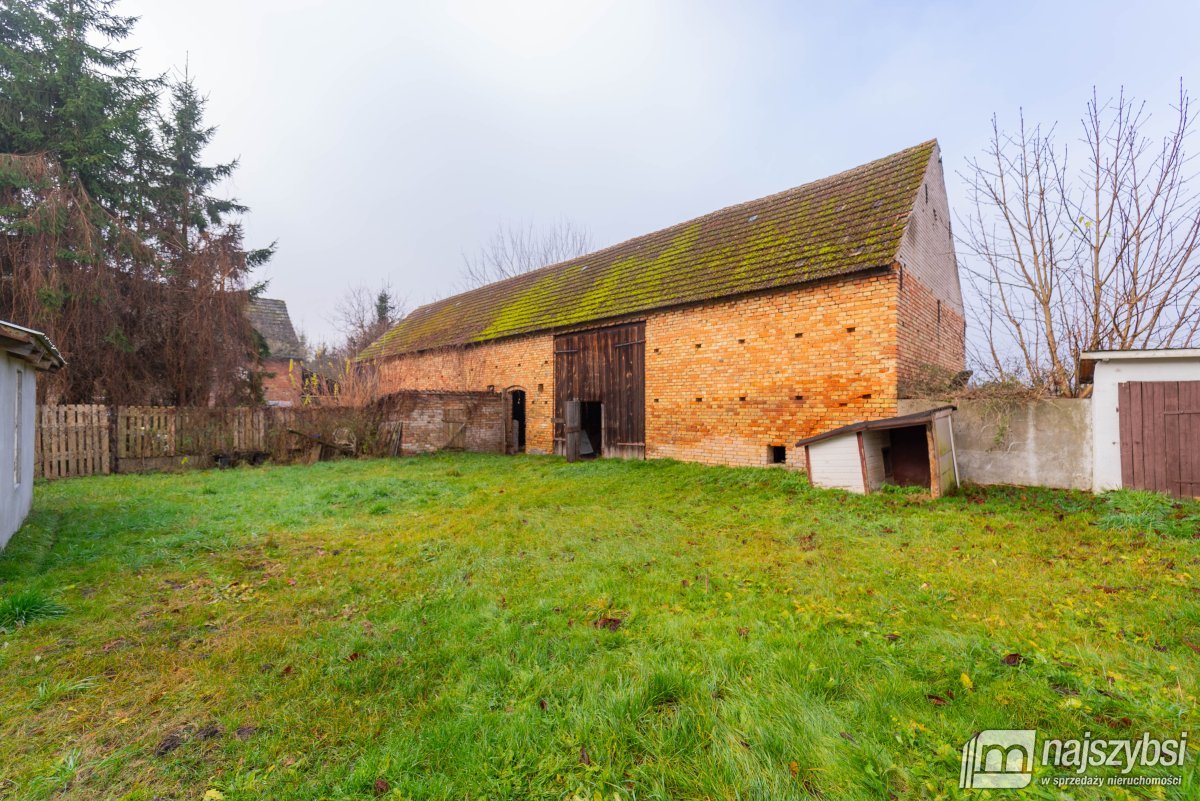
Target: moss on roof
(845, 223)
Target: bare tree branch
(1102, 253)
(513, 250)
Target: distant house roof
(914, 419)
(1088, 359)
(29, 346)
(270, 319)
(846, 223)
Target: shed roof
(270, 319)
(845, 223)
(29, 346)
(903, 421)
(1088, 359)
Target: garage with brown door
(1160, 436)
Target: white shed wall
(1106, 421)
(873, 444)
(15, 495)
(836, 464)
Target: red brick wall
(932, 338)
(281, 381)
(730, 398)
(748, 349)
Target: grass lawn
(468, 627)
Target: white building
(914, 450)
(1145, 419)
(23, 353)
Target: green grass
(469, 627)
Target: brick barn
(719, 340)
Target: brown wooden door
(608, 366)
(1160, 436)
(571, 429)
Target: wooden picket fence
(72, 441)
(96, 440)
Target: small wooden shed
(23, 353)
(914, 450)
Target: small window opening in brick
(699, 400)
(798, 397)
(541, 388)
(656, 400)
(867, 396)
(842, 404)
(697, 344)
(799, 334)
(777, 454)
(741, 342)
(849, 329)
(742, 398)
(656, 350)
(939, 313)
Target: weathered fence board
(72, 441)
(96, 440)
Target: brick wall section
(523, 362)
(430, 421)
(726, 401)
(932, 331)
(748, 349)
(932, 337)
(927, 250)
(279, 385)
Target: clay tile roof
(270, 319)
(845, 223)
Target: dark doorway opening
(591, 423)
(517, 429)
(777, 454)
(908, 453)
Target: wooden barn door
(605, 366)
(1160, 436)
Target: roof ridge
(848, 221)
(715, 213)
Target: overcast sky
(381, 140)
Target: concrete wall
(1045, 443)
(16, 481)
(1106, 427)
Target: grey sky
(382, 139)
